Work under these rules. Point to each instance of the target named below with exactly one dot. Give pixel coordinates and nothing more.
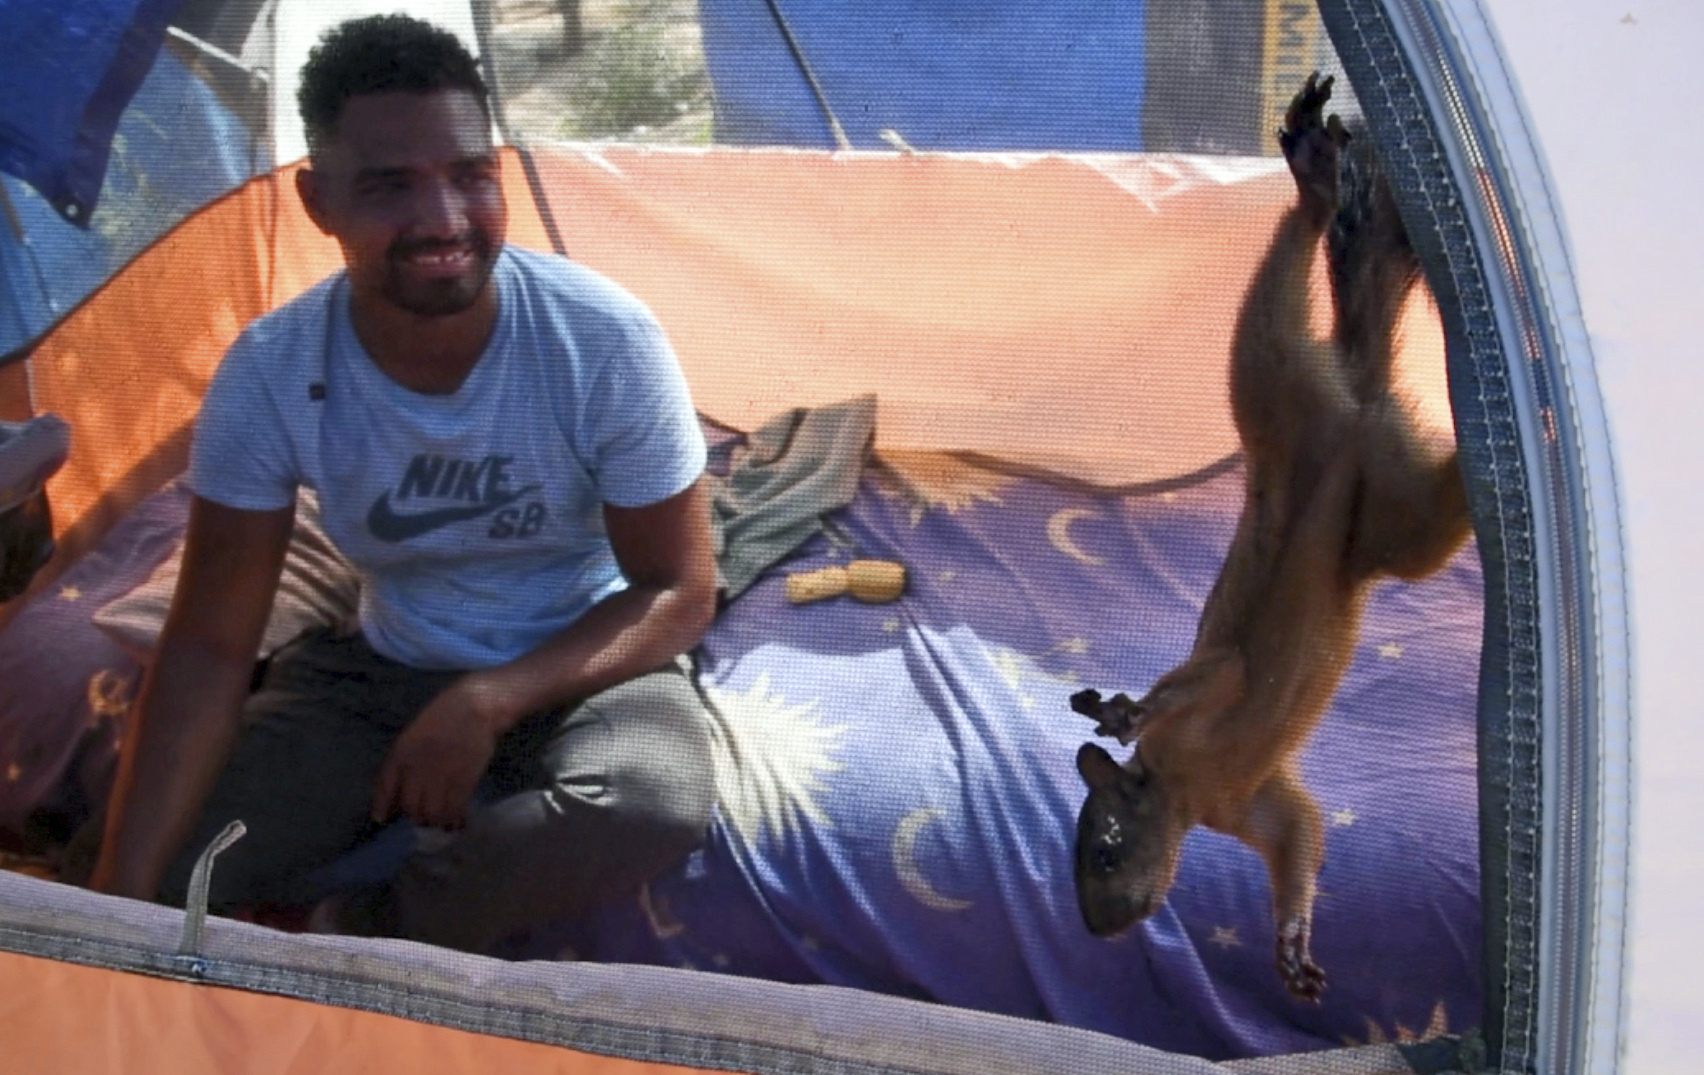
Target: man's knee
(656, 770)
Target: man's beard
(443, 297)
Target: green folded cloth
(792, 471)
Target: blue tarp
(176, 148)
(66, 80)
(995, 74)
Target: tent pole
(839, 132)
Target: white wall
(301, 22)
(1615, 90)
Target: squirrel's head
(1129, 838)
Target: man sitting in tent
(503, 444)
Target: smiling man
(503, 445)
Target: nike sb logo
(474, 489)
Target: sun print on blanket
(772, 759)
(929, 479)
(1437, 1027)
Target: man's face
(409, 186)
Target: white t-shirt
(475, 517)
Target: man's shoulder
(306, 313)
(569, 285)
(284, 345)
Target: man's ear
(310, 187)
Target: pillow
(318, 588)
(65, 685)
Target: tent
(1041, 317)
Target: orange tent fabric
(1068, 313)
(158, 1025)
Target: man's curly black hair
(379, 54)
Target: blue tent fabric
(177, 147)
(999, 74)
(66, 82)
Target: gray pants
(578, 806)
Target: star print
(1391, 651)
(1225, 937)
(69, 593)
(13, 773)
(890, 625)
(1343, 818)
(720, 959)
(1168, 497)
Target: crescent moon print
(905, 861)
(1059, 534)
(109, 694)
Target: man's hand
(664, 551)
(436, 764)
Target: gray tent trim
(654, 1014)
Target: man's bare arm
(187, 713)
(665, 553)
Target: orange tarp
(89, 1021)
